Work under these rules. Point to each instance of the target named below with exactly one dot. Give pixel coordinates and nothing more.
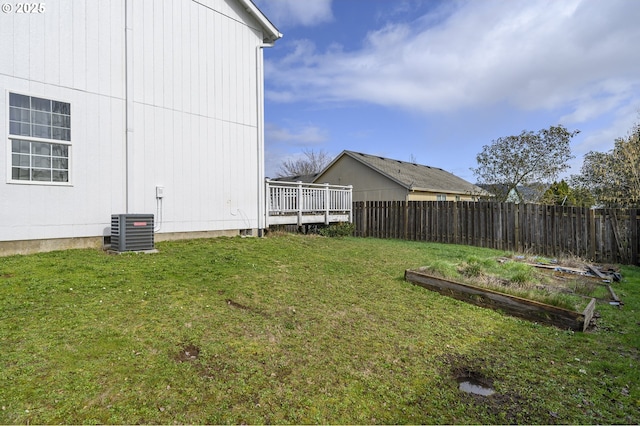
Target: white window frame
(441, 197)
(11, 137)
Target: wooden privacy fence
(601, 235)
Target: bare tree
(529, 158)
(311, 163)
(614, 177)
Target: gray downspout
(260, 140)
(128, 73)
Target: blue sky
(433, 81)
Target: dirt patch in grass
(237, 305)
(188, 353)
(510, 407)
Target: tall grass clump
(518, 273)
(442, 268)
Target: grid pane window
(60, 176)
(43, 118)
(39, 160)
(20, 173)
(41, 131)
(40, 104)
(21, 160)
(38, 117)
(22, 129)
(60, 134)
(19, 114)
(20, 101)
(41, 175)
(20, 146)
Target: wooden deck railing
(297, 203)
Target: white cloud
(297, 12)
(545, 54)
(301, 136)
(604, 138)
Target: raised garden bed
(513, 305)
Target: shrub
(471, 270)
(341, 229)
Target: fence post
(633, 227)
(516, 232)
(350, 203)
(456, 225)
(406, 221)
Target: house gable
(368, 184)
(270, 32)
(410, 181)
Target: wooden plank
(512, 305)
(553, 267)
(597, 272)
(616, 236)
(588, 314)
(613, 294)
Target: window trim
(10, 138)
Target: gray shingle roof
(416, 176)
(297, 178)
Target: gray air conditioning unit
(131, 232)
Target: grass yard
(293, 329)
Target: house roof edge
(273, 33)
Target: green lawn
(292, 329)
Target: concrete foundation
(8, 248)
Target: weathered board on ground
(512, 305)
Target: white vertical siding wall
(73, 53)
(194, 126)
(195, 115)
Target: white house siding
(194, 125)
(195, 111)
(69, 53)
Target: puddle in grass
(467, 384)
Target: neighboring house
(130, 106)
(383, 179)
(524, 194)
(297, 178)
